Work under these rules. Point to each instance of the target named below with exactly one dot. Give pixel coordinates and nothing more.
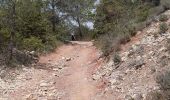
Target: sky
(88, 24)
(91, 24)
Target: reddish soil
(76, 80)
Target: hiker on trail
(73, 36)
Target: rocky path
(75, 80)
(62, 75)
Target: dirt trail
(65, 74)
(76, 81)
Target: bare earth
(65, 74)
(75, 80)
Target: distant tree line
(39, 25)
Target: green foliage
(166, 4)
(106, 48)
(120, 19)
(163, 28)
(156, 2)
(116, 59)
(32, 27)
(51, 43)
(163, 18)
(33, 44)
(154, 95)
(168, 45)
(142, 13)
(164, 80)
(124, 38)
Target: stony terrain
(144, 57)
(62, 75)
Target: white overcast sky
(91, 24)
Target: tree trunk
(53, 25)
(12, 35)
(53, 17)
(80, 30)
(11, 45)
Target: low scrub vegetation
(154, 95)
(117, 59)
(121, 20)
(168, 45)
(164, 81)
(165, 4)
(163, 18)
(163, 28)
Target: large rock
(44, 84)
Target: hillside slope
(142, 59)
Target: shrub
(116, 59)
(164, 80)
(132, 30)
(33, 44)
(168, 45)
(51, 43)
(156, 2)
(155, 34)
(154, 95)
(124, 38)
(163, 28)
(142, 13)
(163, 18)
(165, 4)
(106, 48)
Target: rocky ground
(142, 59)
(62, 75)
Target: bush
(163, 18)
(51, 43)
(154, 95)
(163, 28)
(165, 4)
(32, 44)
(156, 2)
(132, 30)
(116, 59)
(142, 13)
(164, 80)
(124, 38)
(168, 45)
(107, 47)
